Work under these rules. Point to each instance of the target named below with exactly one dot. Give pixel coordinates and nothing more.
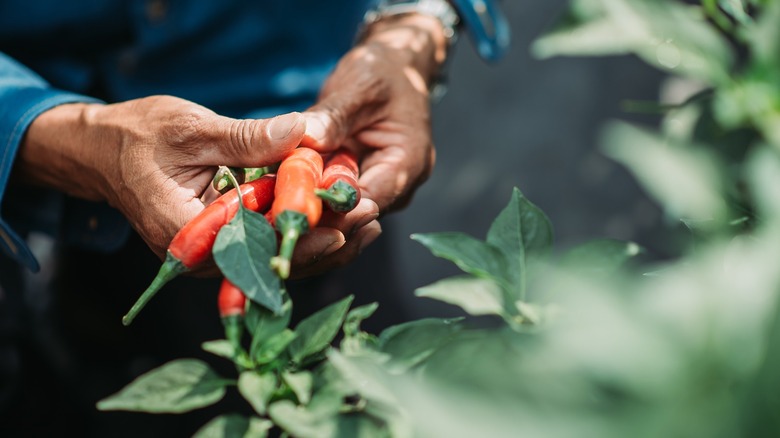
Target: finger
(366, 211)
(390, 175)
(316, 244)
(331, 121)
(345, 254)
(385, 176)
(252, 142)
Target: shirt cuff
(20, 107)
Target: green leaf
(355, 340)
(274, 347)
(684, 179)
(521, 229)
(522, 232)
(257, 389)
(301, 384)
(764, 178)
(220, 347)
(234, 426)
(356, 316)
(178, 386)
(604, 255)
(409, 344)
(530, 312)
(471, 255)
(361, 376)
(266, 325)
(765, 35)
(324, 420)
(666, 34)
(477, 296)
(299, 422)
(243, 251)
(316, 332)
(736, 9)
(361, 425)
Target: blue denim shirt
(240, 58)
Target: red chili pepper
(296, 208)
(231, 302)
(339, 188)
(192, 245)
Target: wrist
(57, 152)
(420, 41)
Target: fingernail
(280, 127)
(315, 128)
(333, 247)
(365, 220)
(370, 236)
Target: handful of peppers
(292, 198)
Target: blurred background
(533, 124)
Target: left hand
(376, 102)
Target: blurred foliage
(689, 348)
(592, 343)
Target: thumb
(254, 142)
(329, 122)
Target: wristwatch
(482, 19)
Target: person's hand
(376, 102)
(152, 158)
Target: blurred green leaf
(234, 426)
(686, 181)
(318, 420)
(274, 347)
(736, 9)
(257, 389)
(763, 398)
(362, 376)
(220, 347)
(355, 340)
(356, 316)
(410, 343)
(178, 386)
(477, 296)
(315, 333)
(264, 325)
(301, 384)
(530, 312)
(763, 170)
(764, 37)
(300, 422)
(665, 33)
(603, 255)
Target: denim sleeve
(23, 96)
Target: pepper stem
(221, 181)
(235, 184)
(291, 225)
(169, 270)
(234, 328)
(340, 196)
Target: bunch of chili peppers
(291, 198)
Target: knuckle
(242, 133)
(187, 126)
